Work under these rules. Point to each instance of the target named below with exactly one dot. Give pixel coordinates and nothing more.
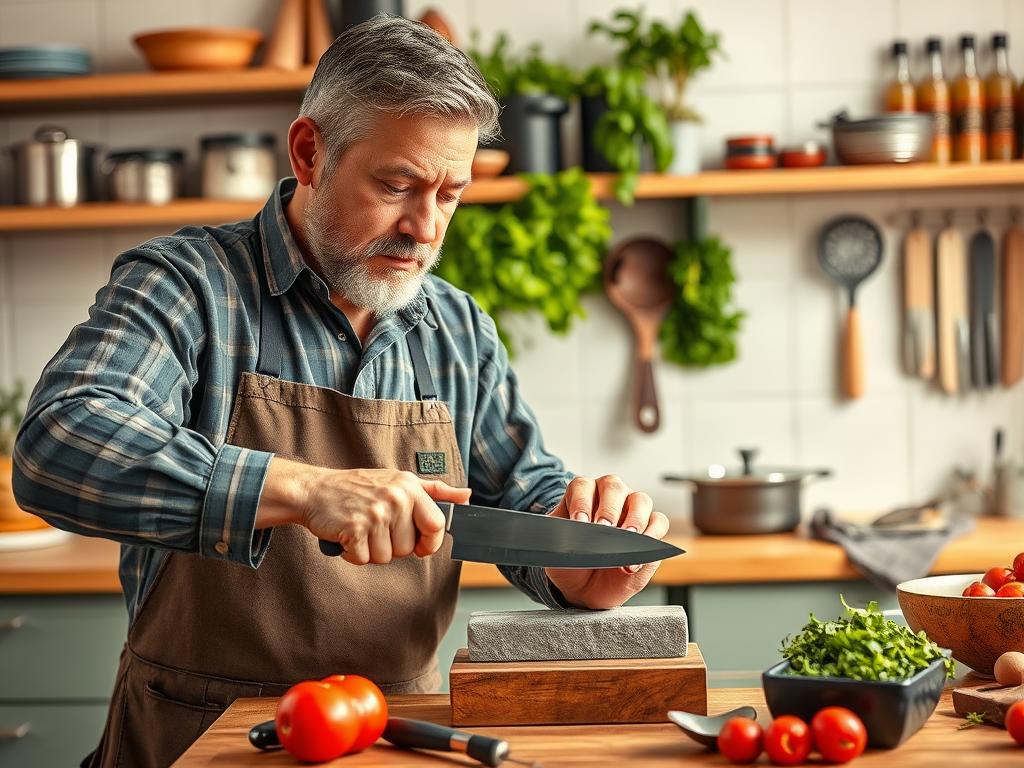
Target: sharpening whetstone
(641, 632)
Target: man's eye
(394, 190)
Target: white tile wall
(789, 65)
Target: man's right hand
(376, 515)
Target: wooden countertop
(87, 565)
(938, 743)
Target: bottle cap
(999, 40)
(900, 46)
(966, 41)
(933, 45)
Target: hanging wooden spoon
(919, 292)
(1013, 306)
(637, 281)
(953, 333)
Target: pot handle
(814, 474)
(689, 483)
(50, 133)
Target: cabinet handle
(16, 623)
(10, 734)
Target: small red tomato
(977, 589)
(1018, 567)
(839, 735)
(787, 740)
(1011, 589)
(369, 702)
(740, 740)
(997, 576)
(1014, 721)
(316, 721)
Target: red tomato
(1014, 721)
(839, 735)
(316, 721)
(369, 702)
(997, 576)
(1018, 567)
(740, 740)
(977, 589)
(787, 740)
(1011, 589)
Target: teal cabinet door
(39, 735)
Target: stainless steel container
(145, 175)
(52, 169)
(239, 166)
(749, 501)
(896, 137)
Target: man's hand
(376, 515)
(606, 501)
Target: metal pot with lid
(145, 175)
(747, 501)
(239, 166)
(52, 169)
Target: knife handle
(334, 549)
(331, 548)
(264, 735)
(416, 734)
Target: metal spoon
(704, 729)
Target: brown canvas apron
(211, 631)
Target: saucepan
(747, 501)
(52, 169)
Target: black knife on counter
(506, 537)
(417, 734)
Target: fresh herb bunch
(511, 74)
(866, 646)
(700, 328)
(633, 120)
(540, 253)
(10, 416)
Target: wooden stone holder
(576, 692)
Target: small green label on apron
(431, 462)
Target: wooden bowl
(199, 48)
(978, 630)
(489, 162)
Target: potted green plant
(534, 94)
(11, 516)
(672, 57)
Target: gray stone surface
(642, 632)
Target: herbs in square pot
(701, 326)
(538, 254)
(865, 646)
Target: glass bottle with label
(899, 95)
(933, 98)
(1000, 88)
(968, 101)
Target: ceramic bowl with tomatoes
(978, 630)
(892, 711)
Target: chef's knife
(984, 344)
(506, 537)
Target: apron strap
(420, 367)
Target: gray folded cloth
(884, 556)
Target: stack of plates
(44, 61)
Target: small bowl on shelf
(895, 137)
(892, 711)
(977, 630)
(750, 153)
(199, 48)
(489, 162)
(810, 154)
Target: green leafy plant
(865, 646)
(540, 253)
(971, 719)
(672, 56)
(633, 119)
(700, 328)
(10, 416)
(510, 74)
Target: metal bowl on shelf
(897, 137)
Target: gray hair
(394, 66)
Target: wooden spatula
(919, 304)
(1013, 306)
(953, 331)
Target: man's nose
(420, 223)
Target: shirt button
(222, 547)
(342, 337)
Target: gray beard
(346, 270)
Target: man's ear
(305, 150)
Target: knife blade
(506, 537)
(984, 341)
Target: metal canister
(145, 175)
(52, 169)
(239, 166)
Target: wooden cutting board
(919, 304)
(952, 326)
(1013, 306)
(991, 699)
(564, 692)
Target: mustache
(400, 247)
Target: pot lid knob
(748, 454)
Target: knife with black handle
(416, 734)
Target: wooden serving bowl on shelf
(199, 48)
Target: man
(240, 391)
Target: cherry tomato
(787, 740)
(839, 735)
(1018, 567)
(369, 702)
(977, 589)
(740, 740)
(1011, 589)
(1014, 721)
(316, 721)
(997, 576)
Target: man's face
(375, 223)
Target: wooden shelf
(144, 89)
(505, 188)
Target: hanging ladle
(637, 281)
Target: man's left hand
(606, 501)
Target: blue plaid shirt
(124, 433)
